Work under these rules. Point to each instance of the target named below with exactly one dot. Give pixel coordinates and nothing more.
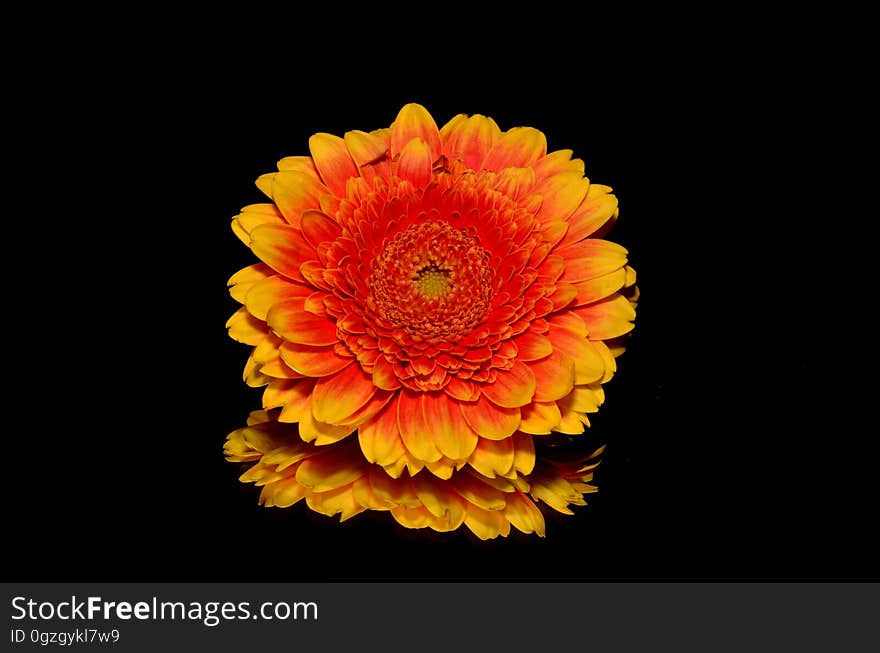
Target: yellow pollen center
(432, 282)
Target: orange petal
(462, 390)
(524, 453)
(489, 420)
(598, 207)
(523, 514)
(540, 417)
(379, 437)
(363, 493)
(571, 423)
(242, 281)
(443, 468)
(414, 430)
(333, 161)
(319, 228)
(609, 318)
(557, 162)
(298, 402)
(478, 493)
(562, 193)
(512, 388)
(452, 436)
(283, 248)
(554, 376)
(588, 363)
(294, 192)
(399, 492)
(313, 361)
(517, 148)
(291, 321)
(608, 358)
(439, 501)
(337, 397)
(364, 148)
(300, 164)
(245, 328)
(253, 216)
(370, 409)
(591, 258)
(493, 457)
(384, 376)
(283, 493)
(329, 471)
(414, 121)
(532, 346)
(486, 524)
(600, 287)
(412, 517)
(265, 294)
(321, 433)
(415, 163)
(470, 139)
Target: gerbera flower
(432, 300)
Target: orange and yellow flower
(430, 304)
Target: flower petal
(609, 318)
(253, 216)
(384, 376)
(290, 320)
(598, 207)
(486, 524)
(470, 139)
(333, 161)
(554, 376)
(512, 388)
(524, 453)
(540, 417)
(297, 401)
(532, 346)
(437, 498)
(337, 397)
(588, 363)
(478, 493)
(265, 294)
(489, 420)
(414, 121)
(364, 148)
(319, 228)
(517, 148)
(329, 471)
(491, 457)
(245, 328)
(313, 361)
(321, 433)
(452, 436)
(283, 248)
(600, 287)
(415, 163)
(414, 430)
(379, 437)
(523, 514)
(591, 258)
(562, 193)
(295, 192)
(462, 390)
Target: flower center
(431, 280)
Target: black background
(725, 458)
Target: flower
(430, 302)
(337, 480)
